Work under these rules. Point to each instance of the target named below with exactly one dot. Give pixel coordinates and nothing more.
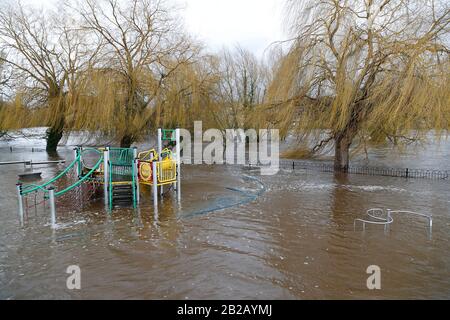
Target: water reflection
(295, 240)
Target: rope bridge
(55, 181)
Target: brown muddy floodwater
(289, 236)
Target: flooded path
(235, 235)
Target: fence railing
(21, 149)
(367, 170)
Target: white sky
(254, 24)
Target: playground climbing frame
(120, 171)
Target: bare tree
(46, 50)
(143, 47)
(189, 93)
(363, 68)
(3, 82)
(241, 87)
(5, 76)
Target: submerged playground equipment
(384, 218)
(118, 171)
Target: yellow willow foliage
(341, 105)
(406, 103)
(15, 115)
(178, 97)
(187, 97)
(98, 104)
(101, 101)
(286, 74)
(353, 75)
(38, 117)
(27, 110)
(281, 95)
(417, 99)
(56, 110)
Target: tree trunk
(342, 151)
(54, 135)
(126, 141)
(57, 104)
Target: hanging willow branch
(380, 67)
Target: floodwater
(234, 235)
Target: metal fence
(21, 149)
(366, 170)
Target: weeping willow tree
(46, 49)
(143, 46)
(3, 83)
(359, 70)
(188, 95)
(4, 76)
(222, 90)
(240, 89)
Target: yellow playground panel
(166, 167)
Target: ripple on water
(295, 240)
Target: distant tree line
(354, 72)
(120, 68)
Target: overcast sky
(254, 24)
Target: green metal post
(110, 186)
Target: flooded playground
(234, 235)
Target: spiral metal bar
(380, 217)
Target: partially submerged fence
(21, 149)
(367, 170)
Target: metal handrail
(388, 220)
(59, 176)
(427, 216)
(381, 221)
(145, 154)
